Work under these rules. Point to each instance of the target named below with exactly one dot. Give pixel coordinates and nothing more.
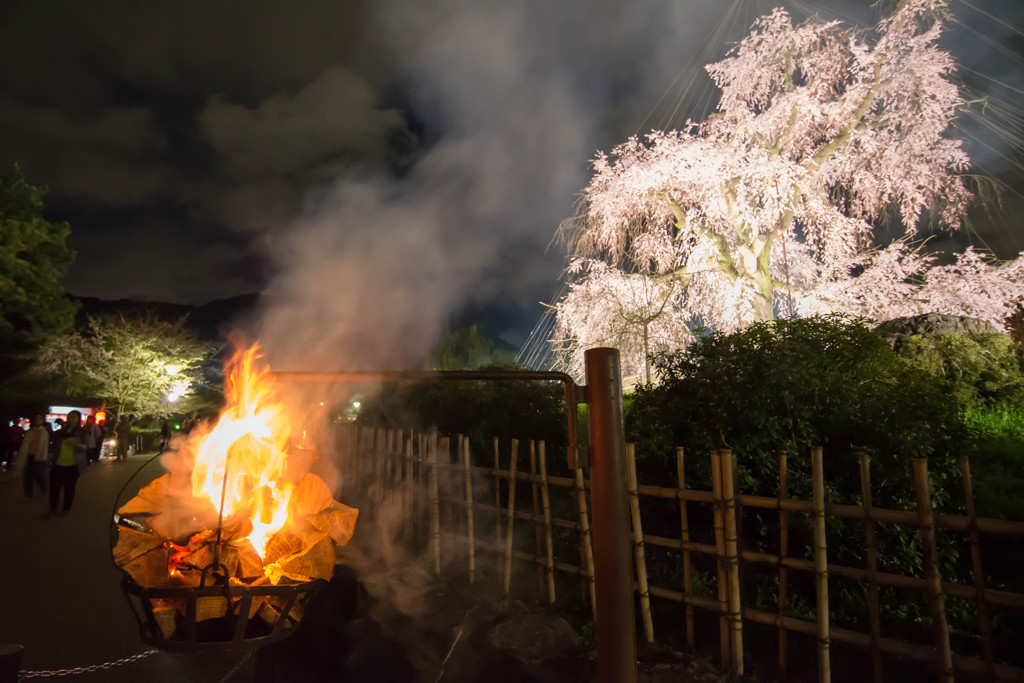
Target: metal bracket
(582, 458)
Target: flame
(249, 442)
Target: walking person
(93, 438)
(165, 436)
(12, 444)
(123, 434)
(70, 462)
(35, 451)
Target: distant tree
(466, 347)
(33, 258)
(769, 206)
(636, 313)
(144, 365)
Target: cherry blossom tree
(634, 312)
(769, 206)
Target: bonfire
(237, 508)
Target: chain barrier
(74, 671)
(238, 666)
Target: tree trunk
(647, 352)
(764, 297)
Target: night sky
(377, 168)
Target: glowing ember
(249, 442)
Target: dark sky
(389, 163)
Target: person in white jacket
(34, 453)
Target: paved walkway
(60, 593)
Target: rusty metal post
(613, 575)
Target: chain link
(74, 671)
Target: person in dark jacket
(35, 451)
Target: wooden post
(638, 543)
(537, 525)
(511, 517)
(936, 600)
(466, 468)
(783, 569)
(872, 559)
(984, 620)
(435, 509)
(684, 525)
(820, 565)
(723, 591)
(732, 558)
(546, 506)
(585, 545)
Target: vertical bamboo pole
(783, 569)
(458, 520)
(513, 468)
(732, 557)
(537, 525)
(469, 509)
(984, 620)
(545, 497)
(820, 565)
(435, 509)
(449, 520)
(872, 559)
(723, 591)
(585, 545)
(497, 494)
(389, 449)
(638, 543)
(420, 485)
(407, 490)
(936, 600)
(499, 518)
(684, 525)
(379, 457)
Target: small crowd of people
(54, 457)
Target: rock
(930, 324)
(533, 638)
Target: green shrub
(791, 385)
(980, 370)
(481, 410)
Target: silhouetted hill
(212, 321)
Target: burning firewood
(233, 511)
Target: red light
(101, 416)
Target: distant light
(356, 404)
(321, 402)
(173, 369)
(177, 426)
(101, 416)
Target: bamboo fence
(430, 479)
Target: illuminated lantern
(101, 416)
